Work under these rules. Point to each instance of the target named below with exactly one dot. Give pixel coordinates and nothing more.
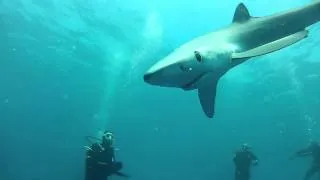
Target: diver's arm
(254, 158)
(303, 152)
(110, 154)
(113, 156)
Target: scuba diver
(243, 160)
(312, 150)
(100, 160)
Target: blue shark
(201, 62)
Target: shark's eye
(198, 56)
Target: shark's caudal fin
(207, 86)
(241, 14)
(272, 46)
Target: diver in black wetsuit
(100, 161)
(312, 150)
(243, 160)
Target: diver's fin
(272, 46)
(241, 14)
(207, 86)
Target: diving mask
(108, 136)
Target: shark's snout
(152, 75)
(148, 76)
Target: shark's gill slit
(189, 84)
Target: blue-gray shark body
(201, 62)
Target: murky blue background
(72, 68)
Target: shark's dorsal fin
(241, 14)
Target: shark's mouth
(190, 85)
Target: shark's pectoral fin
(272, 46)
(207, 86)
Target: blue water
(74, 68)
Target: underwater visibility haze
(74, 68)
